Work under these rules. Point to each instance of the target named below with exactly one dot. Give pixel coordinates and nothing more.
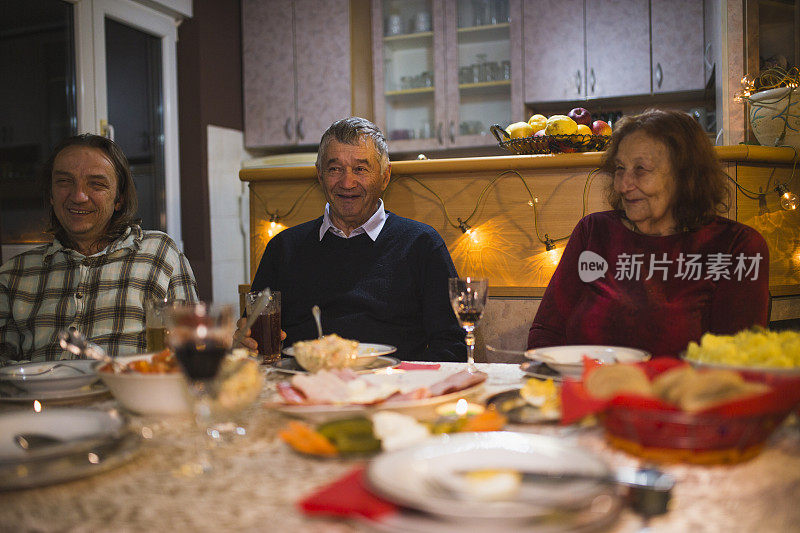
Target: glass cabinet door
(482, 64)
(409, 66)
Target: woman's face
(645, 181)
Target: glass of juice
(155, 326)
(266, 330)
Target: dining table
(257, 480)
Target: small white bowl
(568, 360)
(148, 394)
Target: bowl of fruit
(573, 132)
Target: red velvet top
(714, 279)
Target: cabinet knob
(300, 134)
(578, 81)
(659, 75)
(439, 134)
(592, 79)
(287, 128)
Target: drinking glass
(468, 298)
(154, 325)
(266, 330)
(200, 335)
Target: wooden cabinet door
(268, 73)
(617, 48)
(554, 50)
(677, 42)
(322, 59)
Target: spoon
(316, 312)
(539, 357)
(75, 343)
(260, 304)
(34, 441)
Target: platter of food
(332, 394)
(761, 351)
(538, 401)
(289, 365)
(332, 351)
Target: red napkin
(347, 497)
(418, 366)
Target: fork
(57, 365)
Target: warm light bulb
(788, 199)
(461, 407)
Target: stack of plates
(404, 477)
(50, 380)
(73, 443)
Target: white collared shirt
(371, 227)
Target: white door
(127, 90)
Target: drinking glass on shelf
(200, 335)
(468, 298)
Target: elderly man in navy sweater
(377, 277)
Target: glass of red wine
(200, 335)
(468, 298)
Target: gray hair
(353, 130)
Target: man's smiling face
(84, 195)
(351, 178)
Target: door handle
(452, 131)
(592, 79)
(300, 134)
(106, 129)
(659, 75)
(287, 128)
(439, 134)
(578, 81)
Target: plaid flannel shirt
(51, 288)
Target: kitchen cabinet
(445, 71)
(588, 49)
(296, 69)
(678, 45)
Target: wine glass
(468, 298)
(200, 335)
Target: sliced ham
(290, 394)
(322, 387)
(457, 382)
(417, 394)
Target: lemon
(520, 129)
(538, 122)
(561, 125)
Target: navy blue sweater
(391, 291)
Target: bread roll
(607, 381)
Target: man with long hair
(101, 267)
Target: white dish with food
(48, 376)
(148, 393)
(568, 360)
(416, 393)
(432, 476)
(289, 365)
(365, 355)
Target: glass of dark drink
(200, 335)
(468, 298)
(266, 330)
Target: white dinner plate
(420, 409)
(289, 365)
(47, 376)
(10, 394)
(568, 360)
(92, 441)
(402, 476)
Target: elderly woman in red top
(662, 267)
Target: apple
(601, 127)
(580, 116)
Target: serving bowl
(568, 360)
(148, 394)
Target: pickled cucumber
(353, 435)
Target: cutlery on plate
(75, 343)
(260, 304)
(539, 357)
(318, 319)
(57, 365)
